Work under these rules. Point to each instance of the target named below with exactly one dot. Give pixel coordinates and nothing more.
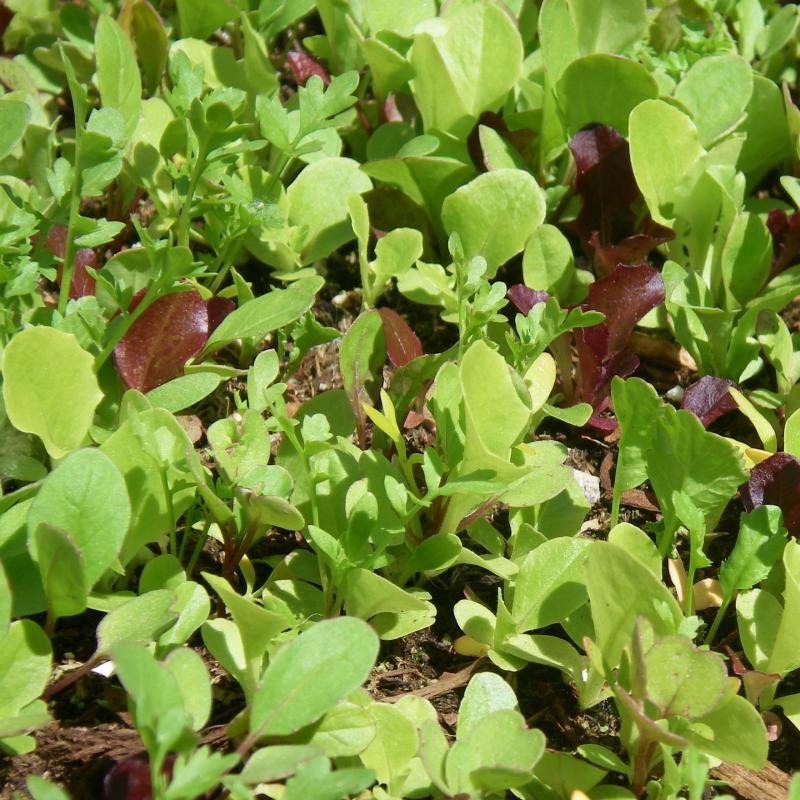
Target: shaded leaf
(605, 182)
(776, 482)
(709, 399)
(524, 298)
(303, 66)
(218, 309)
(158, 345)
(402, 344)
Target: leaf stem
(718, 617)
(74, 213)
(185, 219)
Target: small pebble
(675, 394)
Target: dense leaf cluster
(183, 183)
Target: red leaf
(776, 482)
(303, 66)
(158, 345)
(631, 250)
(81, 283)
(402, 344)
(604, 179)
(525, 298)
(218, 309)
(597, 365)
(625, 296)
(709, 399)
(785, 230)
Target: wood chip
(769, 784)
(447, 683)
(662, 351)
(636, 498)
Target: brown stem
(70, 678)
(641, 765)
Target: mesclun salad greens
(310, 307)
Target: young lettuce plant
(670, 694)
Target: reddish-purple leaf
(129, 779)
(776, 482)
(525, 298)
(709, 399)
(597, 365)
(631, 250)
(625, 296)
(785, 230)
(402, 344)
(303, 66)
(218, 309)
(604, 179)
(81, 283)
(158, 345)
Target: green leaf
(465, 64)
(621, 589)
(318, 202)
(603, 89)
(497, 415)
(198, 19)
(367, 593)
(610, 26)
(485, 694)
(61, 567)
(550, 583)
(140, 621)
(257, 627)
(270, 312)
(15, 115)
(495, 214)
(386, 15)
(682, 680)
(86, 497)
(716, 91)
(638, 544)
(758, 615)
(791, 434)
(118, 78)
(184, 391)
(194, 684)
(362, 352)
(759, 545)
(25, 657)
(746, 259)
(396, 742)
(344, 731)
(684, 457)
(310, 674)
(637, 407)
(50, 388)
(498, 753)
(5, 602)
(736, 733)
(784, 655)
(40, 789)
(665, 155)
